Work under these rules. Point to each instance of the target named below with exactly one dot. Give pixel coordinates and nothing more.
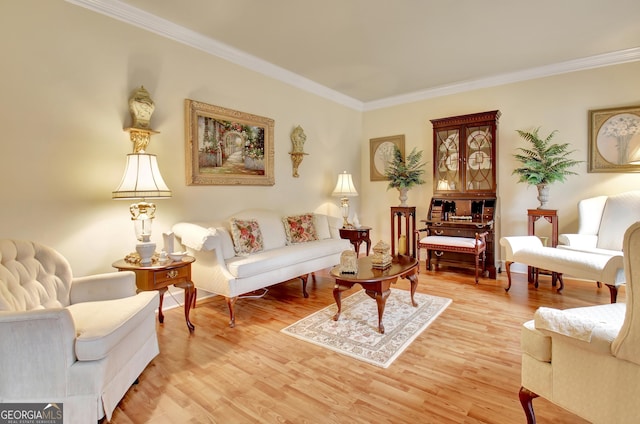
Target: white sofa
(81, 342)
(220, 269)
(587, 360)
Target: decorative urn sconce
(298, 138)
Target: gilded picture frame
(614, 139)
(381, 153)
(227, 147)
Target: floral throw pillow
(247, 237)
(300, 228)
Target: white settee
(81, 342)
(601, 267)
(587, 360)
(221, 266)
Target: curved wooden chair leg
(561, 281)
(304, 279)
(231, 301)
(613, 291)
(507, 267)
(526, 400)
(477, 266)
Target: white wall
(561, 102)
(66, 79)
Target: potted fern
(543, 163)
(403, 173)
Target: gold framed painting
(227, 147)
(381, 153)
(614, 139)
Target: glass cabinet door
(447, 166)
(464, 154)
(479, 166)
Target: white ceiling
(375, 52)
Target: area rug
(356, 333)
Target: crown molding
(606, 59)
(141, 19)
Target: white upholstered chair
(80, 342)
(602, 221)
(587, 360)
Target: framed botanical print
(227, 147)
(614, 140)
(381, 153)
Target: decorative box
(348, 262)
(381, 255)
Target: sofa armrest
(108, 286)
(196, 236)
(585, 241)
(514, 243)
(36, 352)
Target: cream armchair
(80, 342)
(587, 360)
(602, 222)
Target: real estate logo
(31, 413)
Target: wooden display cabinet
(464, 183)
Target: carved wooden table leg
(412, 276)
(337, 296)
(189, 295)
(160, 314)
(381, 302)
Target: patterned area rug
(356, 332)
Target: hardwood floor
(464, 368)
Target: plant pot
(543, 195)
(403, 196)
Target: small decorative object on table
(349, 262)
(381, 255)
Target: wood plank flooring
(464, 368)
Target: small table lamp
(142, 180)
(345, 189)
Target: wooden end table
(160, 276)
(376, 282)
(356, 236)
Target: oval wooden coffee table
(376, 282)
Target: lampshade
(344, 187)
(142, 179)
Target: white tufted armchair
(79, 342)
(587, 360)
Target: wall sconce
(345, 189)
(298, 137)
(142, 178)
